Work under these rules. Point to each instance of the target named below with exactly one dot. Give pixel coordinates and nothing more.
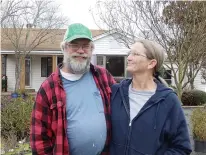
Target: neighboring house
(40, 63)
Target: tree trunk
(180, 76)
(190, 76)
(192, 84)
(17, 73)
(179, 90)
(22, 74)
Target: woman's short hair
(154, 51)
(157, 52)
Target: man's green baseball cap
(76, 31)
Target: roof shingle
(51, 44)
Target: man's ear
(92, 46)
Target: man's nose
(80, 50)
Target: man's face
(77, 55)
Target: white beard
(75, 66)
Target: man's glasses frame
(76, 47)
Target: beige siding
(109, 46)
(10, 72)
(199, 83)
(36, 79)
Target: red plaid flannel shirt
(48, 124)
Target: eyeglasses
(136, 54)
(76, 47)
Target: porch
(36, 68)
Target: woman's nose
(129, 58)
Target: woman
(147, 118)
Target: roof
(52, 44)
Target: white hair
(75, 67)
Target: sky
(78, 11)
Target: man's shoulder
(100, 68)
(50, 80)
(104, 75)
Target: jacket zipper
(129, 128)
(128, 113)
(131, 122)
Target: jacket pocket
(137, 152)
(59, 104)
(120, 149)
(57, 112)
(117, 149)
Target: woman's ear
(152, 64)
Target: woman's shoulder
(115, 87)
(122, 83)
(173, 100)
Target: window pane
(49, 66)
(169, 81)
(115, 65)
(59, 60)
(3, 64)
(44, 67)
(167, 76)
(27, 71)
(100, 60)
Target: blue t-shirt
(86, 124)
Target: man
(71, 114)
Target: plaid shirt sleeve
(111, 80)
(40, 130)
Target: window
(100, 60)
(203, 74)
(3, 64)
(115, 65)
(46, 66)
(203, 81)
(59, 60)
(27, 71)
(168, 76)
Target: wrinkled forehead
(138, 47)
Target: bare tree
(11, 8)
(190, 17)
(34, 24)
(146, 19)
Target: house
(44, 59)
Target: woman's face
(137, 61)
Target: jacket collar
(161, 91)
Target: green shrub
(10, 146)
(198, 119)
(193, 98)
(9, 142)
(16, 116)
